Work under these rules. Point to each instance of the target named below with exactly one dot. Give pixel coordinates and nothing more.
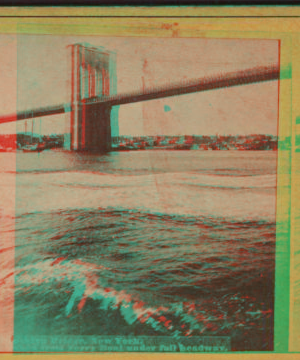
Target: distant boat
(34, 148)
(124, 147)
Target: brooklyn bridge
(93, 95)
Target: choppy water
(172, 243)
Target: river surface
(153, 243)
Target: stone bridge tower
(93, 74)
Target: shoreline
(132, 150)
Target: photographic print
(139, 180)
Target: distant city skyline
(35, 142)
(36, 71)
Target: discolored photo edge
(254, 23)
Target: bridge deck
(243, 77)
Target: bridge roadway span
(223, 80)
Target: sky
(35, 71)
